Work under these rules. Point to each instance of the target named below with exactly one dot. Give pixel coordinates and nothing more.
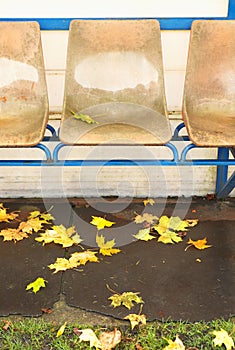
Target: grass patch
(38, 334)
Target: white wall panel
(114, 8)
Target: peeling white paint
(11, 71)
(113, 71)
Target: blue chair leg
(224, 185)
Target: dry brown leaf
(109, 340)
(7, 324)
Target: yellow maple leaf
(146, 217)
(106, 248)
(13, 234)
(144, 235)
(60, 235)
(4, 216)
(174, 345)
(61, 330)
(135, 320)
(126, 299)
(46, 217)
(90, 336)
(76, 259)
(173, 223)
(63, 264)
(199, 244)
(101, 223)
(222, 337)
(149, 201)
(34, 224)
(37, 284)
(83, 257)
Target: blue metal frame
(165, 23)
(223, 185)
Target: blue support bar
(227, 187)
(222, 170)
(46, 150)
(176, 136)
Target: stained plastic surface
(23, 91)
(114, 74)
(209, 93)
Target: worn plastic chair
(23, 91)
(114, 75)
(209, 92)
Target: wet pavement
(188, 285)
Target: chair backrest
(115, 67)
(23, 91)
(209, 92)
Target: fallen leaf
(34, 224)
(83, 257)
(144, 235)
(192, 222)
(106, 248)
(84, 118)
(175, 345)
(135, 320)
(46, 217)
(61, 330)
(139, 347)
(63, 264)
(76, 259)
(90, 336)
(7, 324)
(6, 217)
(149, 201)
(46, 310)
(222, 337)
(126, 299)
(60, 235)
(101, 223)
(168, 229)
(37, 284)
(169, 237)
(13, 234)
(199, 244)
(146, 217)
(109, 340)
(173, 223)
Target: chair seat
(23, 91)
(114, 74)
(209, 91)
(117, 123)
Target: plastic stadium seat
(114, 75)
(23, 91)
(209, 92)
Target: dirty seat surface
(114, 74)
(209, 94)
(23, 93)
